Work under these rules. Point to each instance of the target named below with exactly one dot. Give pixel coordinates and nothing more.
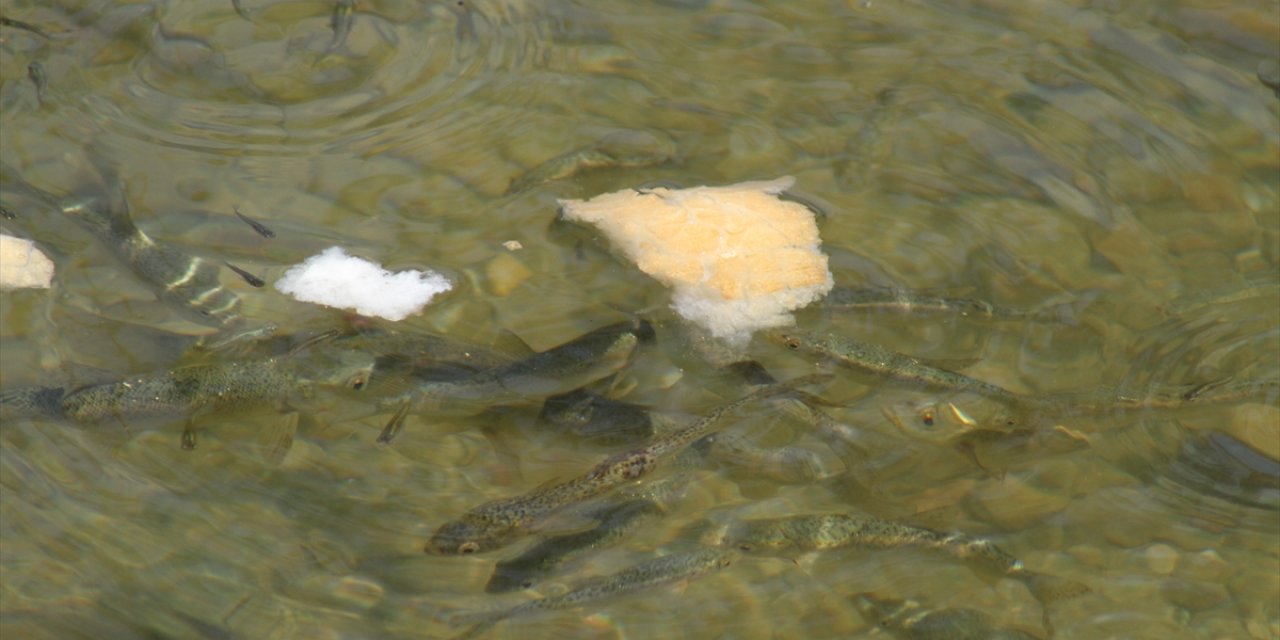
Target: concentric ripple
(281, 81)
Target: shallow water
(1116, 162)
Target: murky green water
(1121, 161)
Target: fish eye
(793, 344)
(468, 547)
(526, 584)
(358, 384)
(745, 546)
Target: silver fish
(648, 574)
(495, 524)
(574, 364)
(908, 620)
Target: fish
(788, 464)
(909, 302)
(341, 21)
(35, 71)
(25, 26)
(189, 282)
(195, 390)
(628, 149)
(592, 416)
(260, 228)
(7, 213)
(569, 366)
(238, 5)
(816, 532)
(908, 620)
(877, 360)
(540, 560)
(232, 384)
(676, 567)
(497, 523)
(252, 280)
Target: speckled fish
(618, 149)
(498, 523)
(645, 575)
(537, 562)
(877, 360)
(910, 302)
(190, 390)
(908, 620)
(574, 364)
(832, 531)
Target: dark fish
(239, 7)
(538, 561)
(257, 226)
(341, 22)
(589, 415)
(25, 26)
(7, 214)
(35, 71)
(254, 281)
(617, 149)
(650, 573)
(574, 364)
(498, 523)
(908, 620)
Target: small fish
(35, 71)
(676, 567)
(257, 226)
(618, 149)
(908, 302)
(538, 561)
(238, 5)
(876, 360)
(254, 281)
(498, 523)
(833, 531)
(341, 22)
(7, 214)
(908, 620)
(25, 26)
(574, 364)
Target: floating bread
(737, 258)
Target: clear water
(1119, 160)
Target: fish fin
(508, 342)
(277, 440)
(1049, 589)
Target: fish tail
(480, 621)
(1049, 589)
(31, 402)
